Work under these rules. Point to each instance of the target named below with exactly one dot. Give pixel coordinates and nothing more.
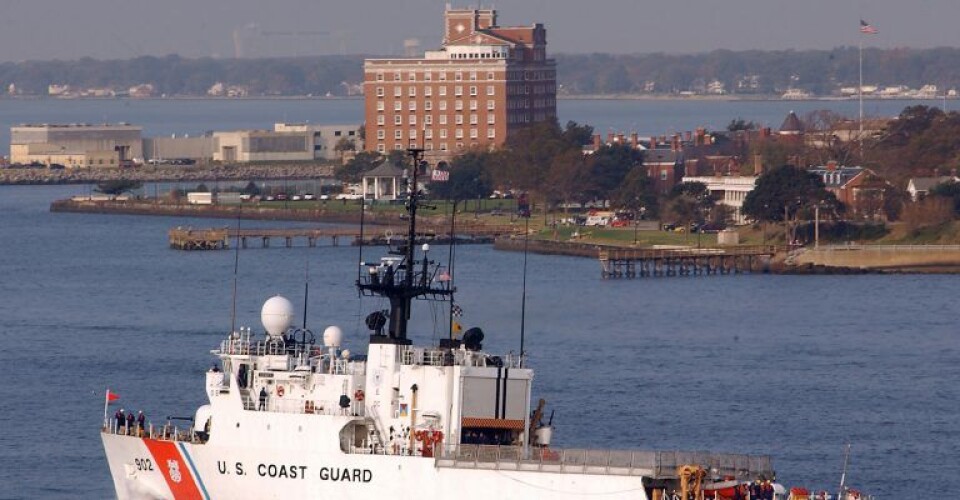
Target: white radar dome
(332, 336)
(276, 315)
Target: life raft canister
(358, 395)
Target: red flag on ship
(112, 396)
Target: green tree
(570, 180)
(781, 192)
(610, 165)
(637, 194)
(690, 202)
(739, 123)
(251, 188)
(118, 187)
(344, 145)
(948, 191)
(526, 158)
(353, 170)
(577, 135)
(469, 178)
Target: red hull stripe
(174, 468)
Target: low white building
(244, 146)
(325, 137)
(382, 183)
(731, 191)
(76, 145)
(919, 187)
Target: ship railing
(166, 432)
(306, 407)
(245, 347)
(433, 356)
(656, 464)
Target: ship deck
(653, 464)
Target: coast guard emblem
(173, 467)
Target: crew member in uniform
(263, 398)
(130, 421)
(121, 419)
(141, 422)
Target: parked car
(349, 196)
(296, 197)
(309, 196)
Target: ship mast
(405, 282)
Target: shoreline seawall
(884, 258)
(44, 176)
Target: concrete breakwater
(626, 262)
(251, 212)
(28, 176)
(882, 258)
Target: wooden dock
(634, 263)
(186, 238)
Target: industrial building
(325, 137)
(242, 146)
(482, 85)
(76, 145)
(164, 149)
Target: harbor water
(791, 366)
(166, 117)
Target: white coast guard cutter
(288, 418)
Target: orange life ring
(280, 391)
(358, 395)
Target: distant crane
(242, 37)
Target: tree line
(741, 72)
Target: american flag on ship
(867, 28)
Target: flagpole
(106, 402)
(860, 94)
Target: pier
(186, 238)
(639, 263)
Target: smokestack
(634, 140)
(610, 137)
(596, 142)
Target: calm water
(792, 366)
(193, 117)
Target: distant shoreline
(573, 97)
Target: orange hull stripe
(174, 468)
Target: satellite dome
(332, 336)
(276, 315)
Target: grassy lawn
(625, 236)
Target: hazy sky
(107, 29)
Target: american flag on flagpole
(867, 29)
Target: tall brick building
(484, 83)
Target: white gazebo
(382, 183)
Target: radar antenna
(400, 280)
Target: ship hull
(151, 468)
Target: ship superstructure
(295, 416)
